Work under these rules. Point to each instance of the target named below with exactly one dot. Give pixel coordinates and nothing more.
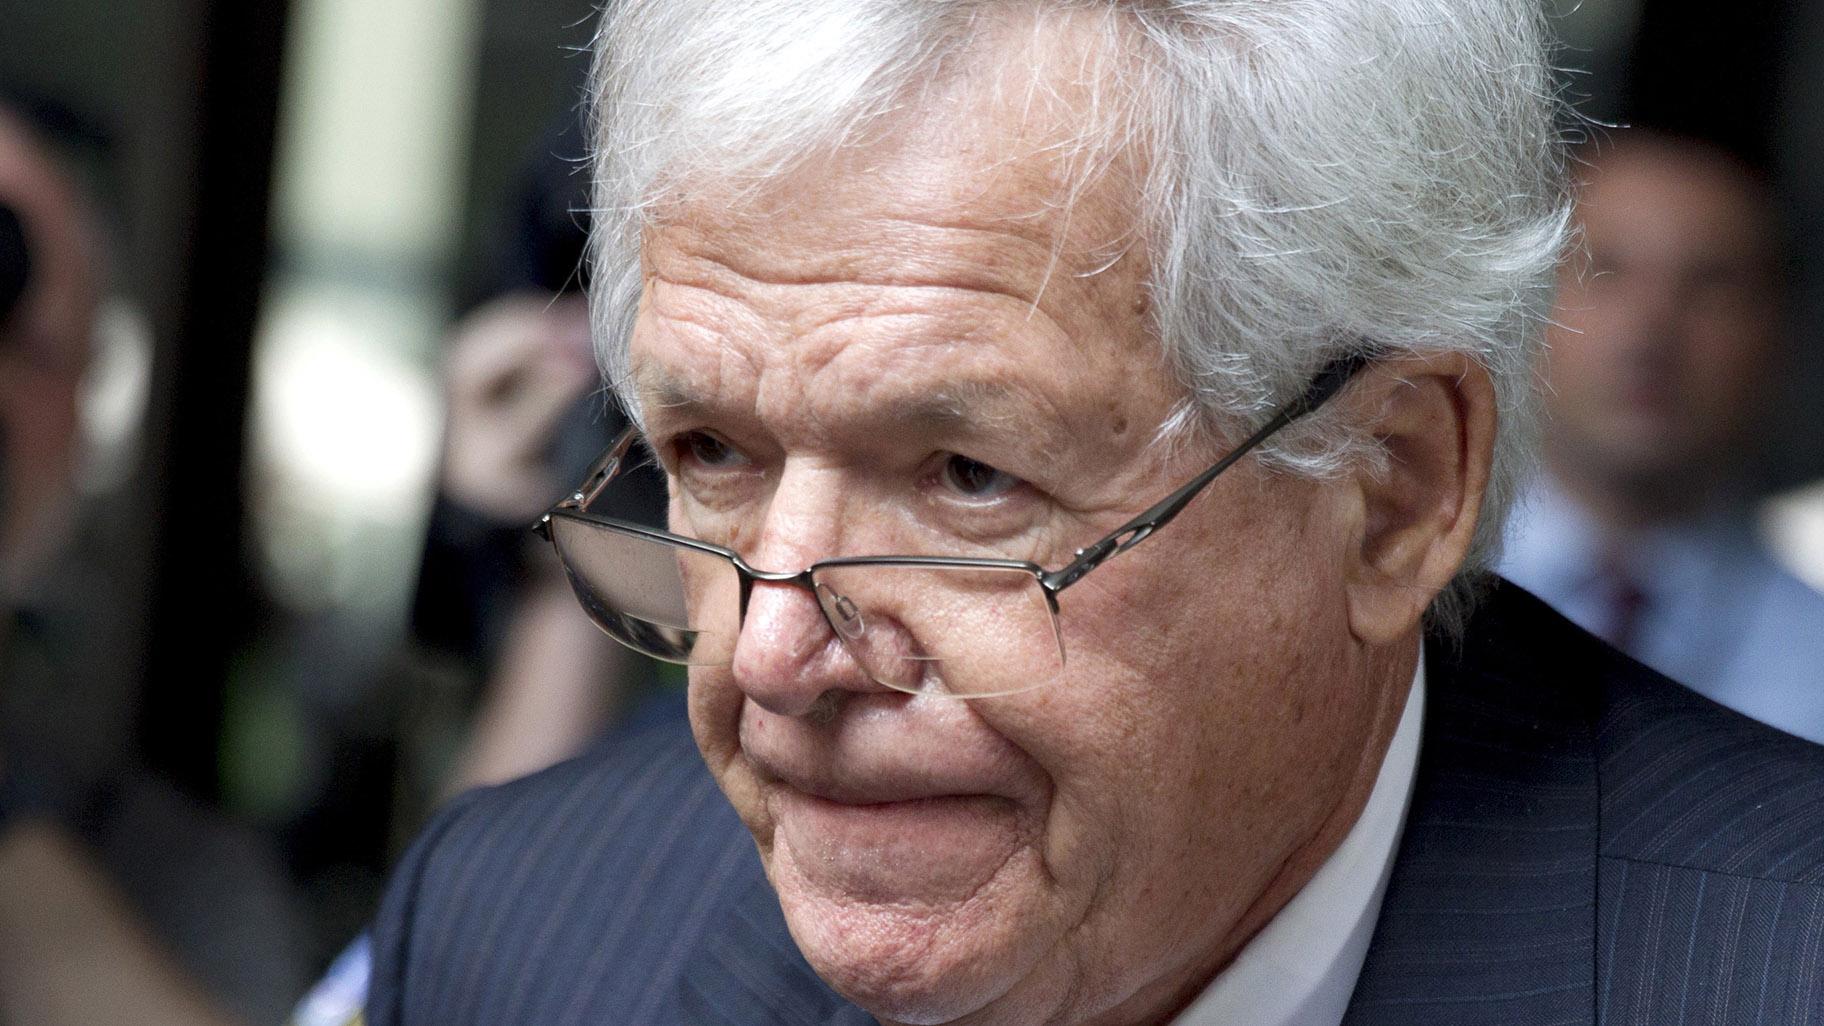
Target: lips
(927, 852)
(891, 801)
(884, 757)
(861, 790)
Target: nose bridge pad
(880, 646)
(844, 614)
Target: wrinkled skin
(1089, 852)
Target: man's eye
(709, 451)
(974, 479)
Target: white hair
(1323, 174)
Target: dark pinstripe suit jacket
(1588, 843)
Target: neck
(1391, 671)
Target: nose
(787, 659)
(783, 656)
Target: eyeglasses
(962, 627)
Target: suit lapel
(751, 973)
(1490, 916)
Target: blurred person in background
(516, 369)
(1663, 352)
(524, 414)
(47, 347)
(121, 900)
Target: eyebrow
(959, 402)
(950, 404)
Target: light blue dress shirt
(1717, 612)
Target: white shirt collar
(1301, 968)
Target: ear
(1434, 416)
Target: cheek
(1191, 683)
(715, 722)
(1730, 351)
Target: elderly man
(1073, 412)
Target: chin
(906, 962)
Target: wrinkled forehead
(1002, 187)
(937, 288)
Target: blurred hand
(515, 367)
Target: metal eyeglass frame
(1323, 386)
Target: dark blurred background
(300, 197)
(297, 200)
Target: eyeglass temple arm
(1324, 386)
(605, 468)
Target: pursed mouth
(933, 852)
(834, 788)
(932, 803)
(884, 763)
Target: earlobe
(1434, 417)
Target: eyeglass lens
(959, 630)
